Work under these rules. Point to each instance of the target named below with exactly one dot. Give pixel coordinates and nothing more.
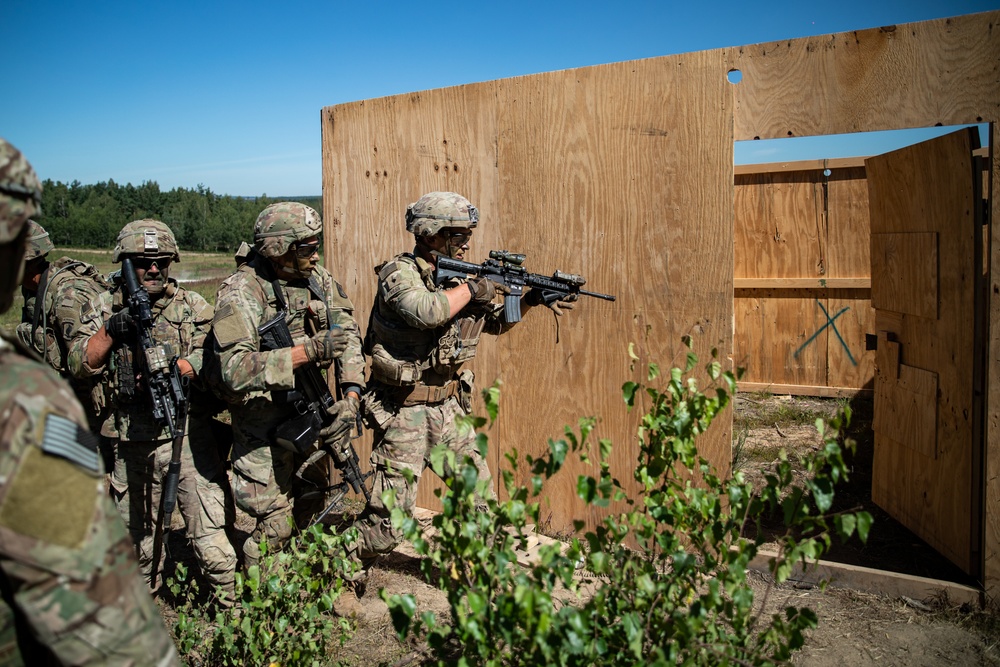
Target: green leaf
(865, 521)
(845, 524)
(628, 393)
(692, 361)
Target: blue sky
(228, 94)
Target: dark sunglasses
(145, 263)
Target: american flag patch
(68, 440)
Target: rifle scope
(507, 257)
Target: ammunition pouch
(124, 374)
(391, 371)
(457, 344)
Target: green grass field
(198, 271)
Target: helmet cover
(440, 210)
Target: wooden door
(926, 252)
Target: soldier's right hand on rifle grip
(327, 345)
(120, 326)
(483, 290)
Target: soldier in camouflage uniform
(106, 340)
(282, 275)
(54, 296)
(419, 336)
(70, 590)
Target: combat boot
(348, 603)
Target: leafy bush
(283, 614)
(663, 582)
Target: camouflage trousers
(265, 483)
(404, 438)
(202, 499)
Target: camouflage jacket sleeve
(71, 286)
(351, 364)
(65, 556)
(405, 289)
(240, 308)
(91, 320)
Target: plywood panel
(822, 212)
(599, 176)
(905, 403)
(991, 463)
(905, 273)
(847, 222)
(849, 364)
(781, 339)
(780, 226)
(914, 75)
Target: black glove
(484, 290)
(120, 326)
(327, 345)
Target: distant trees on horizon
(90, 216)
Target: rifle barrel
(598, 295)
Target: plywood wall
(595, 171)
(624, 172)
(802, 278)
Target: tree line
(90, 216)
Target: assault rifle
(312, 399)
(505, 268)
(168, 392)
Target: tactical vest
(404, 356)
(302, 323)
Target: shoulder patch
(50, 497)
(229, 328)
(384, 270)
(70, 441)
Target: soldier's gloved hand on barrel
(557, 303)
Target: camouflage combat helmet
(151, 238)
(20, 192)
(20, 198)
(39, 243)
(439, 210)
(280, 225)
